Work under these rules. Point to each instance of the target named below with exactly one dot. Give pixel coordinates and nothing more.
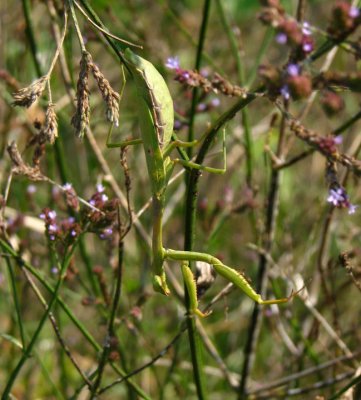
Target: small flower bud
(332, 103)
(300, 87)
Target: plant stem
(248, 141)
(202, 35)
(16, 301)
(27, 351)
(30, 35)
(271, 212)
(9, 250)
(193, 336)
(191, 201)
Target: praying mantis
(156, 126)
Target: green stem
(9, 250)
(176, 19)
(271, 214)
(354, 382)
(193, 336)
(190, 218)
(202, 36)
(111, 329)
(248, 141)
(16, 301)
(30, 35)
(26, 353)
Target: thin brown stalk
(56, 327)
(271, 213)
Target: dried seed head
(20, 167)
(80, 119)
(110, 96)
(49, 132)
(27, 96)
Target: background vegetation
(274, 214)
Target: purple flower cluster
(104, 217)
(182, 75)
(71, 197)
(345, 19)
(339, 198)
(329, 144)
(289, 32)
(295, 84)
(66, 230)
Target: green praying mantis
(156, 126)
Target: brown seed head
(49, 132)
(80, 119)
(110, 96)
(27, 96)
(20, 167)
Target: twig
(298, 375)
(56, 328)
(271, 213)
(103, 30)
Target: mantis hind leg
(191, 286)
(226, 272)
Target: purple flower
(52, 228)
(54, 270)
(354, 12)
(337, 197)
(185, 75)
(52, 237)
(338, 139)
(201, 107)
(100, 188)
(173, 63)
(204, 72)
(107, 232)
(306, 29)
(73, 233)
(31, 189)
(293, 69)
(285, 92)
(42, 216)
(177, 124)
(104, 197)
(307, 47)
(67, 186)
(215, 102)
(281, 38)
(52, 214)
